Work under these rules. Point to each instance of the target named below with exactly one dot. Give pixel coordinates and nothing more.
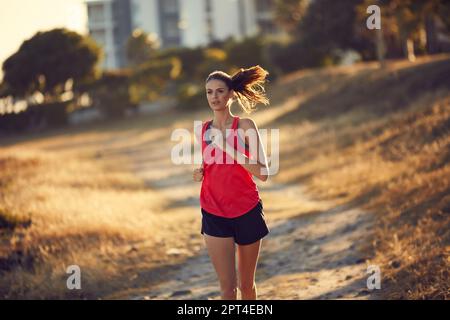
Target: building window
(170, 28)
(96, 13)
(264, 5)
(266, 27)
(208, 6)
(169, 6)
(169, 22)
(265, 16)
(209, 23)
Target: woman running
(232, 210)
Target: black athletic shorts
(245, 229)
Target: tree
(330, 24)
(410, 23)
(110, 93)
(246, 52)
(425, 13)
(288, 13)
(189, 59)
(4, 90)
(150, 79)
(326, 30)
(407, 16)
(141, 47)
(46, 62)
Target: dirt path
(311, 252)
(307, 256)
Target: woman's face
(218, 95)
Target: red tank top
(228, 189)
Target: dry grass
(376, 139)
(81, 209)
(388, 154)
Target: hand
(198, 174)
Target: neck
(222, 117)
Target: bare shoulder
(247, 123)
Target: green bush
(36, 117)
(246, 53)
(298, 55)
(55, 114)
(191, 96)
(111, 94)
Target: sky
(21, 19)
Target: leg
(247, 260)
(222, 254)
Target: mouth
(215, 102)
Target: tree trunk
(380, 47)
(408, 49)
(430, 29)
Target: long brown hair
(248, 84)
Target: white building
(198, 22)
(109, 23)
(185, 23)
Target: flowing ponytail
(248, 84)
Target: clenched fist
(198, 174)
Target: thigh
(222, 254)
